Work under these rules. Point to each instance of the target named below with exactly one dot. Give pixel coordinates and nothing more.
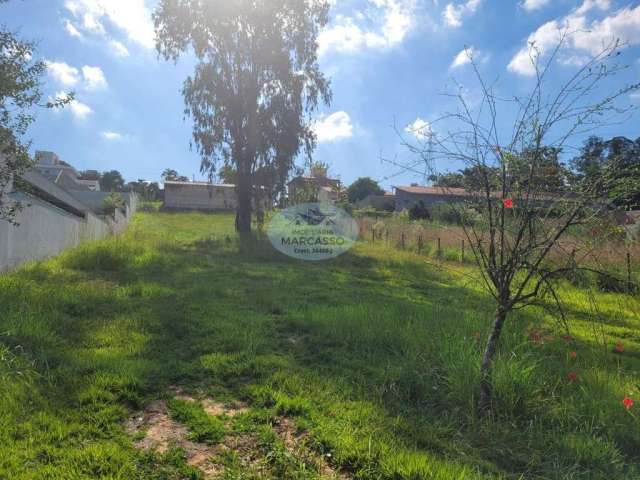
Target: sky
(391, 64)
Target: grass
(375, 354)
(202, 427)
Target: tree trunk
(243, 212)
(484, 402)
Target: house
(62, 174)
(199, 196)
(324, 188)
(406, 197)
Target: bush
(148, 207)
(609, 283)
(111, 203)
(446, 213)
(419, 211)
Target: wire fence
(618, 259)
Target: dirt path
(155, 429)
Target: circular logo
(312, 231)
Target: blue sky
(389, 62)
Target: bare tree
(520, 209)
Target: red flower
(573, 354)
(572, 376)
(627, 402)
(507, 202)
(619, 347)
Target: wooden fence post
(629, 285)
(439, 248)
(419, 243)
(373, 235)
(462, 251)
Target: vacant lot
(167, 354)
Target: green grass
(202, 427)
(374, 353)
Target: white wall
(45, 230)
(199, 196)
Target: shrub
(111, 203)
(609, 283)
(148, 207)
(419, 211)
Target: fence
(446, 242)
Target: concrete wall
(94, 200)
(199, 196)
(45, 230)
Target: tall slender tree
(255, 85)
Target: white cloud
(453, 13)
(336, 126)
(112, 136)
(94, 78)
(68, 76)
(420, 128)
(464, 57)
(118, 49)
(390, 22)
(588, 5)
(131, 16)
(71, 29)
(64, 74)
(92, 25)
(531, 5)
(584, 36)
(78, 109)
(635, 97)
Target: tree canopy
(171, 175)
(611, 169)
(362, 188)
(111, 181)
(256, 81)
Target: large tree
(362, 188)
(20, 93)
(112, 181)
(612, 169)
(256, 82)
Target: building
(406, 197)
(199, 196)
(62, 174)
(324, 188)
